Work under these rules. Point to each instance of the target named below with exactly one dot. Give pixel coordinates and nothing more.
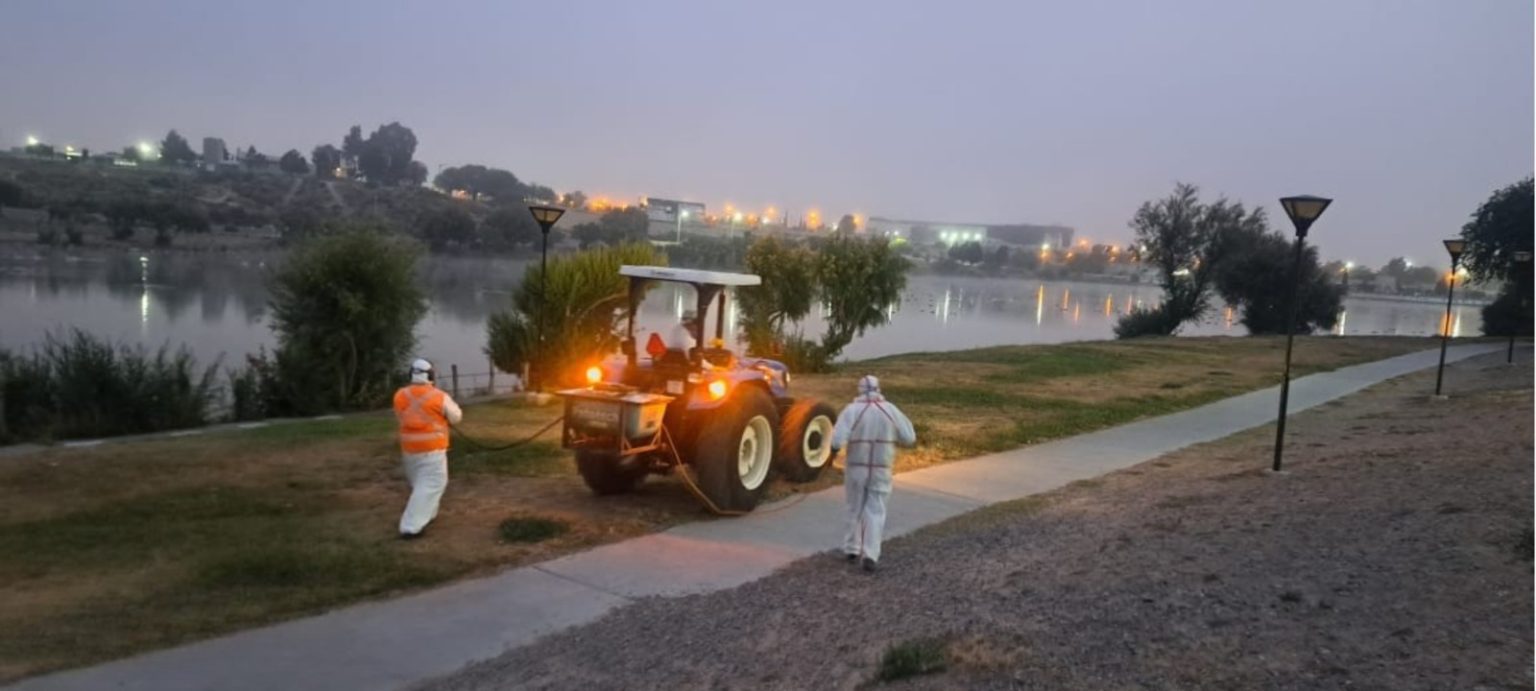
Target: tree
(540, 193)
(512, 226)
(787, 292)
(586, 295)
(968, 252)
(344, 308)
(1257, 277)
(447, 226)
(352, 144)
(576, 200)
(847, 224)
(327, 160)
(122, 216)
(1187, 241)
(11, 194)
(39, 149)
(631, 224)
(1499, 228)
(479, 181)
(385, 157)
(168, 217)
(860, 279)
(1395, 268)
(131, 153)
(254, 158)
(174, 149)
(293, 162)
(416, 174)
(589, 234)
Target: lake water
(216, 304)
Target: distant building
(1020, 234)
(659, 209)
(214, 152)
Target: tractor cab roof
(694, 276)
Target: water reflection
(217, 303)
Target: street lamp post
(545, 216)
(1455, 248)
(1522, 265)
(1303, 211)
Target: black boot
(869, 565)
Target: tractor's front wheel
(735, 450)
(805, 440)
(607, 473)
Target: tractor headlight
(717, 389)
(594, 374)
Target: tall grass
(85, 386)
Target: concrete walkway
(393, 643)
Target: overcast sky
(1408, 113)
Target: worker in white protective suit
(424, 412)
(869, 429)
(680, 337)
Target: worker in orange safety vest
(424, 412)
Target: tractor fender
(700, 400)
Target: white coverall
(869, 429)
(679, 338)
(428, 474)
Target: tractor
(732, 419)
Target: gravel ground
(1394, 554)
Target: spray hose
(486, 447)
(682, 468)
(693, 488)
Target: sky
(1407, 112)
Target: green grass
(308, 431)
(913, 658)
(531, 529)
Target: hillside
(85, 203)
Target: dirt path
(330, 186)
(1396, 553)
(292, 190)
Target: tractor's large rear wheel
(607, 473)
(735, 450)
(805, 440)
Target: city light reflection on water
(218, 306)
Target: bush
(860, 280)
(345, 309)
(1509, 315)
(913, 658)
(250, 388)
(586, 293)
(804, 355)
(1257, 276)
(1147, 321)
(84, 386)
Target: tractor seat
(720, 357)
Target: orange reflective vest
(423, 424)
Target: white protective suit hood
(421, 371)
